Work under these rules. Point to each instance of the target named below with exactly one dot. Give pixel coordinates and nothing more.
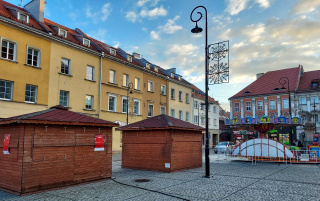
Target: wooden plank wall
(56, 156)
(186, 150)
(11, 164)
(146, 150)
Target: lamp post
(283, 81)
(315, 119)
(198, 30)
(129, 90)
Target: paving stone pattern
(230, 180)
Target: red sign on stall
(6, 143)
(99, 141)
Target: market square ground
(231, 180)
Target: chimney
(36, 9)
(259, 75)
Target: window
(8, 50)
(129, 58)
(314, 99)
(202, 106)
(187, 116)
(136, 107)
(180, 95)
(248, 106)
(209, 108)
(272, 105)
(163, 89)
(112, 103)
(137, 83)
(65, 66)
(112, 76)
(6, 90)
(125, 80)
(31, 94)
(172, 75)
(236, 107)
(214, 122)
(86, 42)
(214, 109)
(148, 65)
(64, 98)
(196, 104)
(195, 119)
(187, 98)
(150, 110)
(180, 115)
(156, 68)
(124, 104)
(90, 73)
(314, 84)
(23, 17)
(203, 121)
(303, 100)
(89, 102)
(150, 86)
(172, 113)
(285, 103)
(62, 33)
(259, 105)
(33, 57)
(162, 110)
(172, 93)
(113, 52)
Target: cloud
(116, 44)
(156, 12)
(305, 6)
(145, 13)
(103, 13)
(182, 50)
(154, 35)
(141, 3)
(98, 35)
(236, 6)
(106, 10)
(170, 27)
(263, 3)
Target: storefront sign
(99, 141)
(6, 143)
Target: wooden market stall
(161, 143)
(53, 148)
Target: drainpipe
(167, 111)
(99, 109)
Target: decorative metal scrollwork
(218, 71)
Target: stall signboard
(282, 120)
(99, 143)
(6, 143)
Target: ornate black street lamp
(283, 81)
(198, 30)
(219, 72)
(129, 90)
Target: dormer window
(247, 92)
(156, 68)
(23, 17)
(314, 84)
(113, 52)
(172, 75)
(86, 42)
(62, 33)
(148, 65)
(179, 77)
(129, 58)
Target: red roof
(58, 115)
(201, 96)
(307, 78)
(161, 122)
(269, 81)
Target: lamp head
(196, 29)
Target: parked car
(222, 147)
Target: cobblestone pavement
(231, 180)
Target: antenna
(20, 5)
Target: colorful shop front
(268, 139)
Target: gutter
(99, 105)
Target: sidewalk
(231, 180)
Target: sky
(264, 35)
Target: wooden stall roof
(58, 115)
(161, 122)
